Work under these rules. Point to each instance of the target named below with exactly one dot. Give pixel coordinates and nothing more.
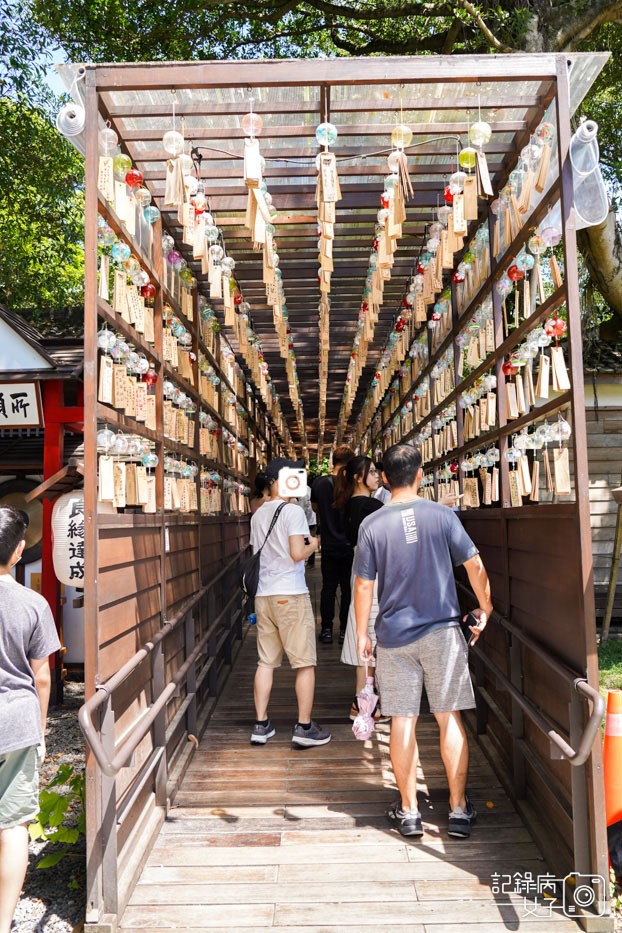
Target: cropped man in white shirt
(285, 619)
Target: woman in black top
(354, 486)
(261, 493)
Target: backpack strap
(272, 524)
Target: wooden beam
(432, 148)
(284, 223)
(423, 197)
(279, 191)
(204, 108)
(302, 171)
(302, 72)
(308, 130)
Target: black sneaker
(407, 822)
(261, 734)
(326, 636)
(342, 636)
(314, 735)
(461, 821)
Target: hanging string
(252, 126)
(174, 94)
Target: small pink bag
(367, 700)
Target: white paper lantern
(68, 538)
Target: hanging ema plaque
(20, 405)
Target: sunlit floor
(272, 837)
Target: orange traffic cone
(612, 763)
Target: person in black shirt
(354, 490)
(337, 552)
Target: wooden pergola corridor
(208, 353)
(275, 838)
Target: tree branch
(492, 40)
(452, 35)
(580, 27)
(404, 9)
(601, 248)
(434, 43)
(401, 10)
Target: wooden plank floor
(270, 837)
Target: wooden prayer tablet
(542, 388)
(106, 478)
(562, 471)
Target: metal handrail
(112, 767)
(576, 756)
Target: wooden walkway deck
(275, 838)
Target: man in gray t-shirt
(27, 639)
(412, 545)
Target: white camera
(292, 483)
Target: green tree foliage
(112, 30)
(41, 213)
(604, 104)
(41, 179)
(23, 54)
(62, 818)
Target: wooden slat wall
(131, 611)
(604, 451)
(541, 596)
(129, 593)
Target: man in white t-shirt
(285, 619)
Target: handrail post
(227, 624)
(518, 723)
(158, 680)
(110, 889)
(481, 707)
(239, 622)
(212, 677)
(580, 816)
(191, 678)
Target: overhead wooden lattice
(364, 100)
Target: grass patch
(610, 665)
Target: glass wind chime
(185, 191)
(260, 214)
(327, 194)
(445, 237)
(122, 184)
(391, 216)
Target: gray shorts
(439, 660)
(19, 786)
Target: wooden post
(94, 892)
(497, 314)
(459, 409)
(53, 456)
(110, 888)
(594, 772)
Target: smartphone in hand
(471, 619)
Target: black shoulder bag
(249, 576)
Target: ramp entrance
(272, 837)
(205, 356)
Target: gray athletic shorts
(19, 786)
(439, 660)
